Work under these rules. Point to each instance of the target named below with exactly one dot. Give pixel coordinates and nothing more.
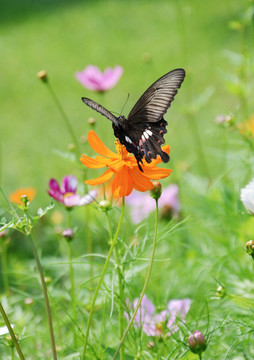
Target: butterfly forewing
(100, 109)
(156, 100)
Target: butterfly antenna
(125, 103)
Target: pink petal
(88, 198)
(69, 184)
(111, 77)
(93, 79)
(170, 198)
(71, 201)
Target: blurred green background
(146, 38)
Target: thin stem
(200, 356)
(4, 267)
(113, 243)
(10, 204)
(121, 291)
(72, 281)
(89, 242)
(65, 118)
(145, 284)
(13, 337)
(44, 289)
(73, 300)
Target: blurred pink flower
(158, 324)
(142, 203)
(66, 194)
(93, 79)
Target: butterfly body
(142, 133)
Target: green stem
(13, 337)
(113, 243)
(200, 356)
(65, 118)
(10, 204)
(145, 284)
(72, 279)
(73, 299)
(121, 291)
(89, 244)
(44, 289)
(4, 268)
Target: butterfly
(142, 133)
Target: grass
(196, 253)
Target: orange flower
(16, 196)
(124, 166)
(246, 128)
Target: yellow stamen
(68, 194)
(121, 149)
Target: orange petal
(15, 197)
(101, 179)
(122, 184)
(98, 146)
(140, 182)
(156, 173)
(96, 163)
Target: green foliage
(200, 255)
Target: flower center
(121, 149)
(159, 328)
(68, 194)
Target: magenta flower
(66, 193)
(93, 79)
(159, 324)
(142, 203)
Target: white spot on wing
(149, 132)
(143, 138)
(128, 139)
(146, 135)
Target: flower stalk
(62, 112)
(145, 284)
(121, 290)
(11, 332)
(44, 289)
(113, 243)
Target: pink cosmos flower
(66, 193)
(93, 79)
(158, 324)
(142, 203)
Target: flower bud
(91, 121)
(156, 190)
(105, 205)
(71, 147)
(224, 120)
(29, 301)
(3, 234)
(150, 344)
(250, 248)
(9, 340)
(68, 234)
(197, 342)
(43, 75)
(47, 279)
(221, 292)
(25, 200)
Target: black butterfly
(142, 133)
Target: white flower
(247, 197)
(4, 330)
